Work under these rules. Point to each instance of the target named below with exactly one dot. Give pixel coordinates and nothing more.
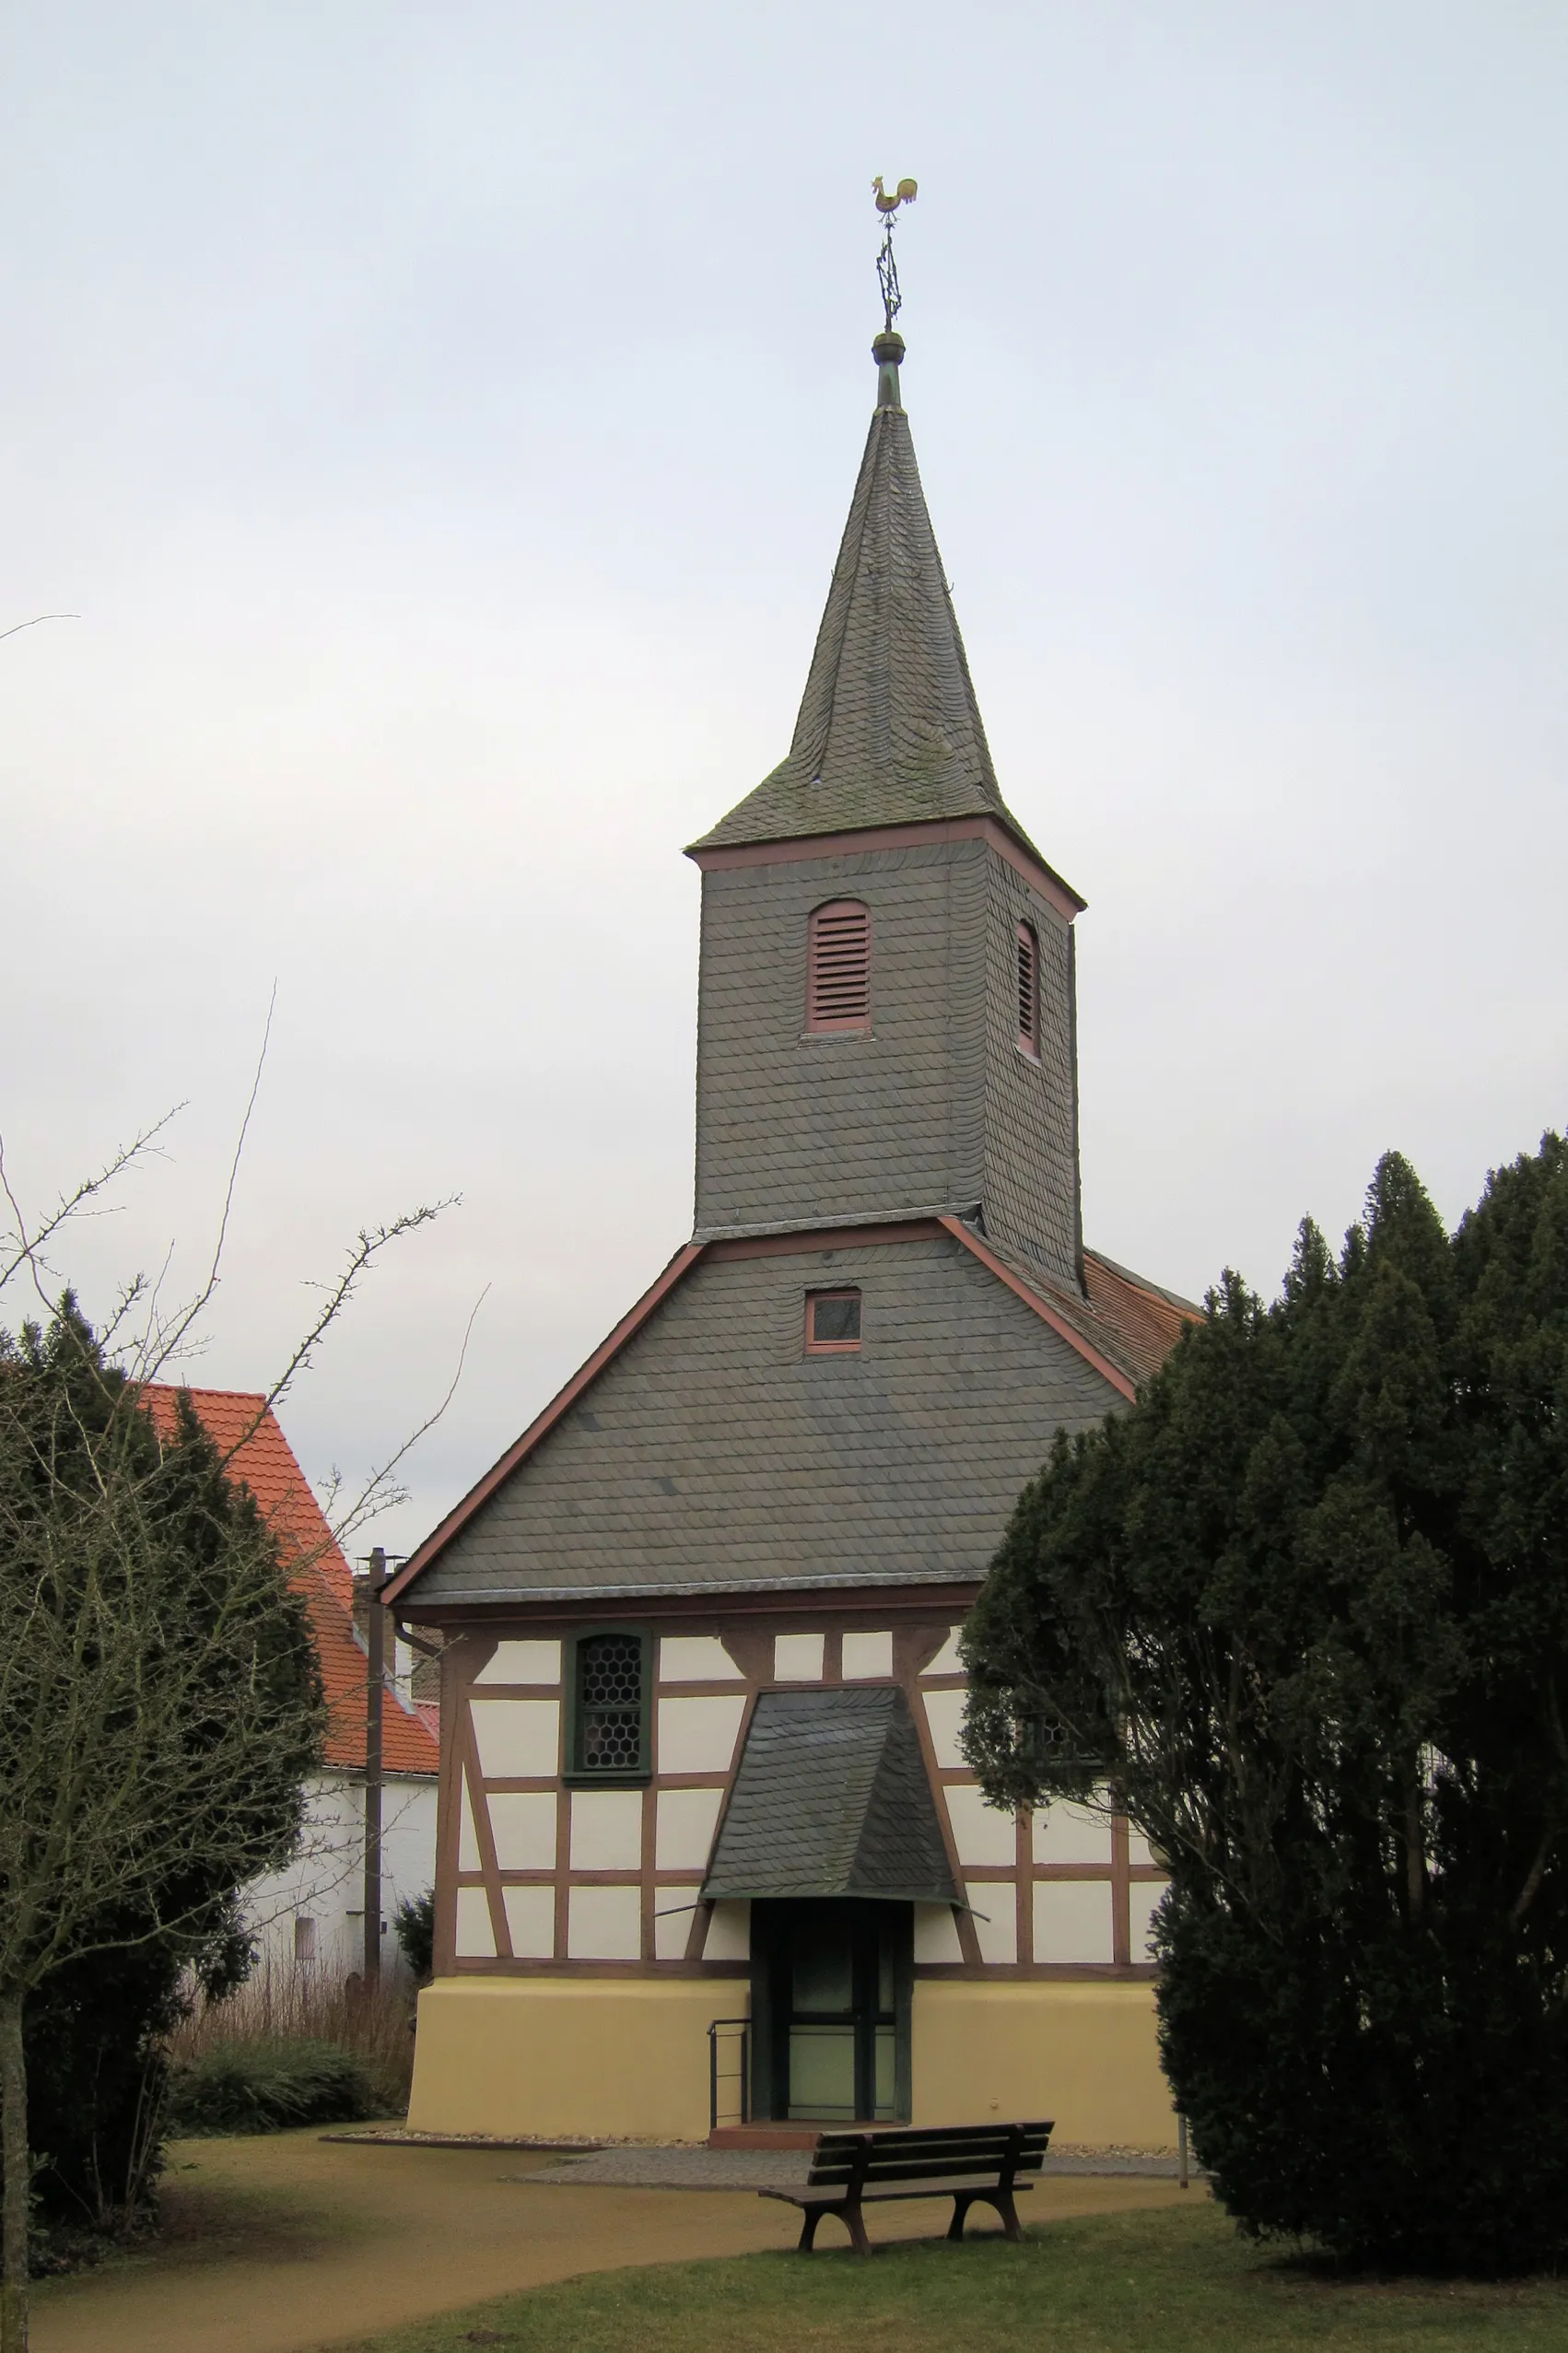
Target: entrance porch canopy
(832, 1798)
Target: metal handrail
(717, 2027)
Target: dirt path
(286, 2244)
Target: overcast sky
(442, 420)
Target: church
(711, 1860)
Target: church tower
(712, 1858)
(887, 1023)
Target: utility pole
(375, 1684)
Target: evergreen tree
(1304, 1608)
(159, 1712)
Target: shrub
(300, 2005)
(266, 2087)
(413, 1924)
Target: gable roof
(889, 732)
(755, 1444)
(832, 1798)
(243, 1427)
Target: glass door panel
(885, 2074)
(821, 1973)
(822, 2073)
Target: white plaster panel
(468, 1858)
(531, 1916)
(523, 1662)
(475, 1938)
(730, 1931)
(673, 1908)
(522, 1823)
(605, 1923)
(1073, 1920)
(945, 1714)
(867, 1655)
(947, 1661)
(981, 1832)
(606, 1830)
(684, 1833)
(517, 1738)
(698, 1736)
(1145, 1897)
(936, 1933)
(1139, 1852)
(695, 1658)
(797, 1658)
(998, 1931)
(1065, 1834)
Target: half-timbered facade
(703, 1787)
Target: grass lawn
(1170, 2280)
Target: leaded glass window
(611, 1705)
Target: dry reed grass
(293, 2001)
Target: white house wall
(323, 1886)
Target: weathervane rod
(886, 267)
(888, 348)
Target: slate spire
(889, 732)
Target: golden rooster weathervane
(886, 267)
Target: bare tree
(159, 1705)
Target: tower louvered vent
(1028, 992)
(838, 967)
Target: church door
(831, 2009)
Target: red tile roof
(1147, 1320)
(264, 1461)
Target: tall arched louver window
(1028, 992)
(838, 967)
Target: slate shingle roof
(889, 731)
(705, 1452)
(831, 1798)
(264, 1461)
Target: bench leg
(850, 2217)
(1003, 2201)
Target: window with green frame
(610, 1705)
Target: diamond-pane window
(610, 1714)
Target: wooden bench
(972, 2164)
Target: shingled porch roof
(831, 1798)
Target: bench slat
(901, 2157)
(916, 2172)
(957, 2152)
(888, 2134)
(886, 2197)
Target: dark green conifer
(1306, 1605)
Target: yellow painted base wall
(626, 2058)
(569, 2057)
(1083, 2054)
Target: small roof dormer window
(838, 967)
(1029, 991)
(832, 1323)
